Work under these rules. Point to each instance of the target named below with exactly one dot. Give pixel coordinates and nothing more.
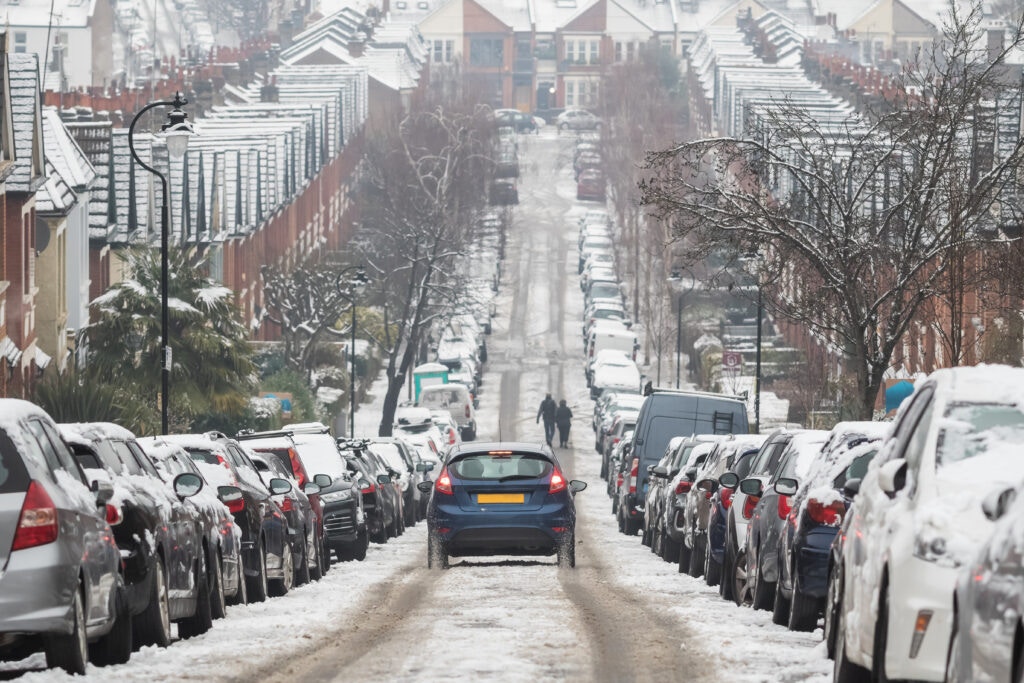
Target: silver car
(60, 588)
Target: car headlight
(336, 496)
(932, 549)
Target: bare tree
(424, 183)
(855, 217)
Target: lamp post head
(177, 130)
(359, 282)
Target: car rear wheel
(302, 568)
(684, 557)
(256, 586)
(218, 603)
(832, 607)
(881, 637)
(279, 587)
(697, 557)
(780, 608)
(116, 646)
(154, 623)
(803, 609)
(70, 652)
(739, 579)
(669, 548)
(437, 558)
(845, 671)
(362, 544)
(712, 569)
(567, 552)
(202, 618)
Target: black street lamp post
(176, 133)
(349, 289)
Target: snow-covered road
(621, 615)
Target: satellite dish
(42, 234)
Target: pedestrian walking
(547, 412)
(648, 388)
(563, 418)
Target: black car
(519, 121)
(266, 554)
(403, 458)
(160, 537)
(503, 192)
(375, 486)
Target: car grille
(340, 522)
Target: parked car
(987, 624)
(593, 242)
(918, 518)
(61, 586)
(160, 537)
(457, 400)
(222, 537)
(503, 192)
(301, 506)
(501, 499)
(611, 401)
(577, 119)
(618, 423)
(771, 515)
(419, 471)
(400, 467)
(741, 510)
(818, 505)
(264, 535)
(379, 508)
(658, 482)
(521, 122)
(591, 185)
(721, 501)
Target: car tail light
(618, 481)
(633, 475)
(451, 436)
(748, 506)
(557, 482)
(707, 495)
(725, 495)
(37, 524)
(287, 505)
(785, 505)
(467, 410)
(616, 439)
(444, 483)
(368, 487)
(235, 504)
(683, 486)
(224, 463)
(831, 514)
(113, 514)
(293, 458)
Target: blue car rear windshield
(501, 466)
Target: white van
(608, 335)
(456, 399)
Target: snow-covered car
(592, 243)
(456, 401)
(616, 373)
(577, 119)
(918, 518)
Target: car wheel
(669, 548)
(279, 587)
(316, 569)
(362, 544)
(410, 515)
(843, 670)
(116, 646)
(302, 568)
(256, 586)
(803, 609)
(241, 596)
(762, 592)
(154, 623)
(739, 579)
(696, 567)
(70, 652)
(218, 602)
(325, 558)
(684, 557)
(202, 618)
(567, 552)
(437, 558)
(832, 607)
(712, 569)
(878, 674)
(780, 608)
(645, 536)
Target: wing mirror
(279, 486)
(575, 485)
(103, 491)
(851, 488)
(892, 476)
(997, 502)
(311, 488)
(659, 471)
(323, 480)
(229, 494)
(729, 480)
(187, 484)
(383, 479)
(707, 485)
(786, 487)
(424, 467)
(751, 487)
(425, 486)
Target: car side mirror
(229, 494)
(425, 486)
(691, 473)
(383, 479)
(424, 467)
(650, 469)
(729, 480)
(851, 488)
(575, 485)
(280, 486)
(785, 486)
(708, 485)
(103, 491)
(323, 480)
(997, 502)
(658, 471)
(892, 476)
(187, 484)
(751, 487)
(311, 488)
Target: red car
(590, 185)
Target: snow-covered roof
(42, 13)
(23, 69)
(68, 170)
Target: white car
(918, 517)
(577, 119)
(617, 373)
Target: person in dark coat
(547, 411)
(563, 418)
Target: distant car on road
(501, 499)
(577, 119)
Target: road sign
(732, 360)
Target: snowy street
(622, 614)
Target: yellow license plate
(501, 498)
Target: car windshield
(971, 429)
(505, 466)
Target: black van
(667, 413)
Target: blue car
(501, 499)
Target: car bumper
(811, 553)
(341, 522)
(537, 532)
(919, 586)
(36, 590)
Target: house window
(20, 40)
(570, 93)
(618, 51)
(443, 51)
(630, 51)
(570, 50)
(486, 52)
(594, 51)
